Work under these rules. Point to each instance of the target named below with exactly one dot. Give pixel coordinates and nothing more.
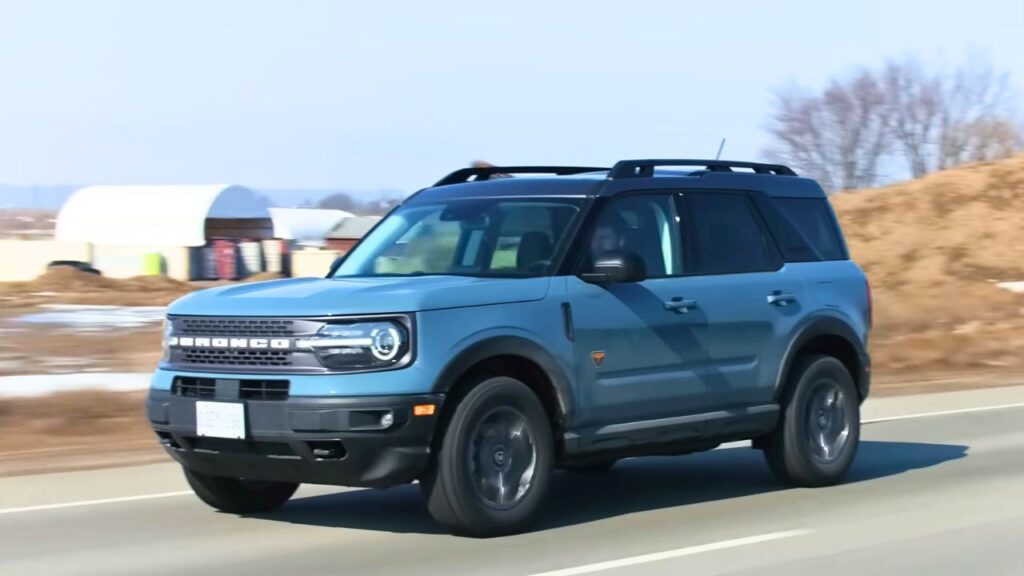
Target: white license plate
(220, 420)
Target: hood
(347, 296)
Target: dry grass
(61, 351)
(74, 431)
(933, 249)
(68, 285)
(72, 418)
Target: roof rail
(645, 168)
(485, 173)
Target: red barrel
(225, 254)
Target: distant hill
(935, 250)
(53, 197)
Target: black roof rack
(645, 168)
(477, 174)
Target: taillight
(870, 311)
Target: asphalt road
(936, 489)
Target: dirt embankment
(935, 249)
(67, 285)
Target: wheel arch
(512, 356)
(833, 337)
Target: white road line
(677, 553)
(943, 413)
(92, 502)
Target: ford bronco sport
(495, 328)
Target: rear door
(751, 301)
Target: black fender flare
(511, 346)
(826, 326)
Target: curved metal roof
(153, 215)
(306, 224)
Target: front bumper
(317, 440)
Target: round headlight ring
(387, 343)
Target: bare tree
(990, 139)
(798, 127)
(975, 107)
(929, 120)
(838, 137)
(916, 103)
(339, 201)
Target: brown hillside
(934, 249)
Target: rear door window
(728, 235)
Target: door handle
(779, 298)
(680, 305)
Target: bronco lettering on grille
(237, 343)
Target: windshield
(471, 237)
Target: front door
(640, 347)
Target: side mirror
(616, 266)
(335, 265)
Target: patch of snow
(91, 318)
(1015, 287)
(44, 384)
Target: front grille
(230, 357)
(248, 389)
(236, 327)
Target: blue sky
(391, 95)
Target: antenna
(720, 146)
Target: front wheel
(818, 433)
(239, 496)
(492, 470)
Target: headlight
(360, 345)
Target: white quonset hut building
(162, 215)
(306, 226)
(128, 226)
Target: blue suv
(502, 324)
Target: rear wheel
(239, 496)
(492, 470)
(818, 433)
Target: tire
(498, 435)
(239, 496)
(596, 467)
(816, 439)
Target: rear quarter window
(805, 229)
